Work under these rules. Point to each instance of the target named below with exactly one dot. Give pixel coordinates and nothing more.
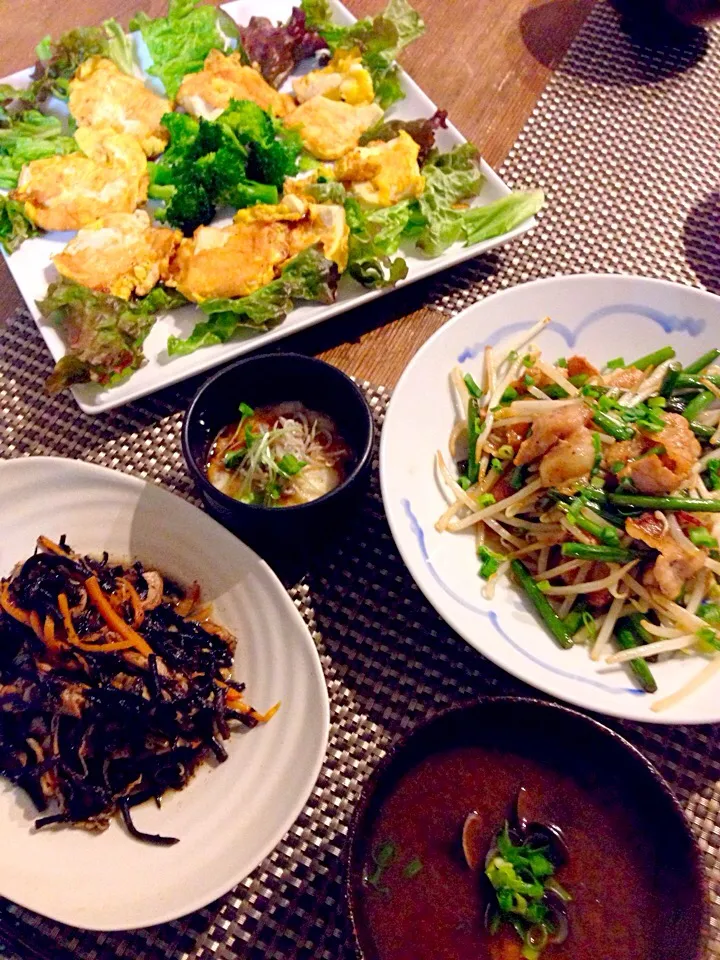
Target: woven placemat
(624, 143)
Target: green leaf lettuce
(179, 42)
(103, 334)
(308, 276)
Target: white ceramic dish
(230, 816)
(596, 316)
(32, 267)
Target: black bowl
(572, 747)
(283, 535)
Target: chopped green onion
(490, 561)
(473, 389)
(528, 380)
(617, 466)
(474, 428)
(699, 402)
(517, 477)
(289, 465)
(592, 551)
(701, 431)
(615, 428)
(509, 395)
(413, 868)
(561, 362)
(689, 504)
(233, 459)
(485, 500)
(626, 640)
(497, 465)
(654, 359)
(463, 483)
(617, 364)
(710, 612)
(704, 361)
(245, 410)
(686, 381)
(505, 452)
(712, 472)
(702, 537)
(541, 603)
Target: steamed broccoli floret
(273, 150)
(239, 160)
(190, 206)
(249, 193)
(276, 160)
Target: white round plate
(231, 815)
(600, 317)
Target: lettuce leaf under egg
(277, 48)
(103, 334)
(14, 225)
(179, 42)
(380, 40)
(308, 276)
(375, 235)
(451, 180)
(29, 135)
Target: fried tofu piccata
(344, 78)
(224, 78)
(108, 174)
(383, 173)
(329, 128)
(121, 254)
(105, 98)
(235, 260)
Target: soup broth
(434, 910)
(278, 456)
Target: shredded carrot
(138, 612)
(113, 620)
(185, 606)
(264, 717)
(36, 625)
(9, 607)
(64, 609)
(47, 544)
(237, 702)
(105, 647)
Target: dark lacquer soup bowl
(514, 828)
(277, 532)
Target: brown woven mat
(624, 142)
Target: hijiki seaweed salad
(597, 491)
(115, 685)
(310, 178)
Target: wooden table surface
(485, 61)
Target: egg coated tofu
(344, 78)
(229, 261)
(108, 175)
(103, 97)
(329, 128)
(381, 173)
(308, 224)
(236, 260)
(121, 254)
(224, 78)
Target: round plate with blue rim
(599, 317)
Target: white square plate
(32, 268)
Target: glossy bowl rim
(398, 746)
(229, 503)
